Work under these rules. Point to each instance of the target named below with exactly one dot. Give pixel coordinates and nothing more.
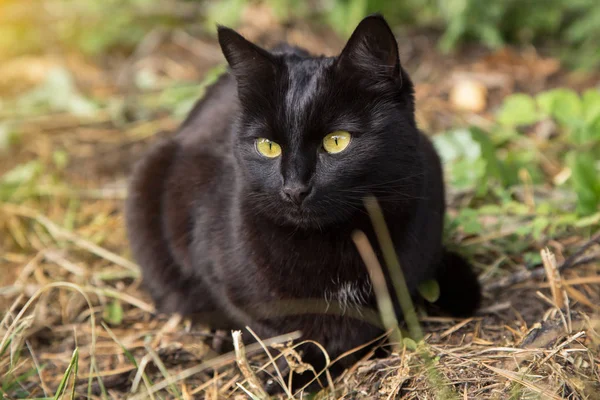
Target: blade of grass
(384, 301)
(251, 395)
(8, 384)
(11, 328)
(163, 370)
(38, 368)
(147, 381)
(266, 350)
(75, 370)
(71, 368)
(60, 233)
(434, 376)
(394, 268)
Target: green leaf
(469, 221)
(518, 109)
(519, 158)
(344, 16)
(113, 313)
(490, 35)
(22, 173)
(532, 258)
(539, 225)
(430, 290)
(563, 105)
(593, 130)
(8, 137)
(493, 166)
(590, 130)
(224, 12)
(586, 182)
(590, 101)
(60, 158)
(545, 102)
(409, 344)
(357, 9)
(57, 93)
(468, 174)
(181, 99)
(462, 158)
(286, 9)
(455, 29)
(590, 220)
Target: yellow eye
(268, 148)
(336, 142)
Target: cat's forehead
(302, 68)
(305, 80)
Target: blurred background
(509, 90)
(569, 28)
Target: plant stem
(394, 268)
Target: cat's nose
(296, 193)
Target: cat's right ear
(246, 59)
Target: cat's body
(225, 233)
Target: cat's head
(317, 134)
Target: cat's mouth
(311, 215)
(303, 217)
(300, 216)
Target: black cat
(253, 202)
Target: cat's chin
(297, 218)
(303, 220)
(306, 219)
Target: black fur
(213, 233)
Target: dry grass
(75, 321)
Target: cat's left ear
(246, 59)
(372, 48)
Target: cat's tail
(460, 291)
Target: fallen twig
(244, 366)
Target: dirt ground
(67, 280)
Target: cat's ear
(372, 48)
(244, 57)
